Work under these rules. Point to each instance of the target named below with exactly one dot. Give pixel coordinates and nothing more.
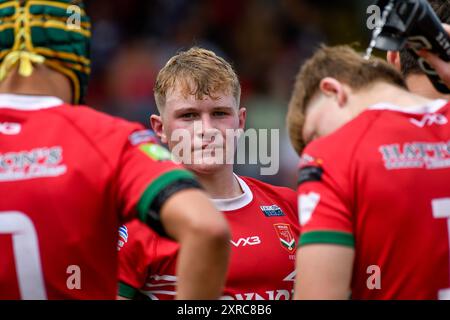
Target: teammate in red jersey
(374, 199)
(70, 175)
(199, 89)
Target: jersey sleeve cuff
(127, 291)
(327, 237)
(155, 188)
(158, 192)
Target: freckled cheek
(177, 124)
(179, 132)
(221, 135)
(226, 124)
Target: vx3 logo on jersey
(429, 120)
(250, 241)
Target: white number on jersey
(26, 254)
(441, 209)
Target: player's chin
(205, 167)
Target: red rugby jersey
(69, 176)
(264, 228)
(381, 184)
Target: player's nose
(207, 123)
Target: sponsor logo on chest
(272, 211)
(249, 241)
(279, 294)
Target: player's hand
(442, 68)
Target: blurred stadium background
(266, 41)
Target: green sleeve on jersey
(157, 186)
(330, 237)
(126, 291)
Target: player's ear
(331, 87)
(242, 117)
(157, 126)
(393, 57)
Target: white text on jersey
(250, 241)
(429, 120)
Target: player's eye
(219, 113)
(188, 116)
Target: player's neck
(387, 93)
(42, 82)
(221, 184)
(420, 85)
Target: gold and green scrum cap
(51, 32)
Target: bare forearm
(201, 268)
(203, 234)
(324, 272)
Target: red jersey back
(380, 184)
(264, 228)
(68, 177)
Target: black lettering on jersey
(310, 173)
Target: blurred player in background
(405, 62)
(441, 67)
(374, 197)
(70, 175)
(198, 93)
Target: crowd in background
(265, 40)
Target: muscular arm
(189, 217)
(324, 272)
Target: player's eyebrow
(181, 110)
(223, 108)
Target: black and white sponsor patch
(310, 173)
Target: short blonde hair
(342, 63)
(200, 72)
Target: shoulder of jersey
(137, 231)
(91, 119)
(279, 193)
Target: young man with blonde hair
(373, 185)
(198, 97)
